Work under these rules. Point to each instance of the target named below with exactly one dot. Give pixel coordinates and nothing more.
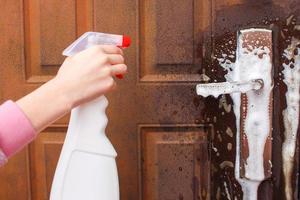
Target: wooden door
(171, 143)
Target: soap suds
(256, 123)
(291, 113)
(252, 62)
(216, 89)
(249, 187)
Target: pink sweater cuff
(16, 129)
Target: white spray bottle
(87, 169)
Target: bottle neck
(87, 128)
(91, 114)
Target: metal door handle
(252, 85)
(216, 89)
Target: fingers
(109, 83)
(110, 49)
(106, 85)
(115, 59)
(113, 70)
(105, 72)
(111, 54)
(119, 69)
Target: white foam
(249, 187)
(290, 114)
(250, 67)
(216, 89)
(257, 121)
(257, 126)
(251, 63)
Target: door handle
(250, 85)
(216, 89)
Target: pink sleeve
(16, 130)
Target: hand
(81, 78)
(89, 74)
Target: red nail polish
(119, 76)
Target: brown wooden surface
(173, 46)
(171, 155)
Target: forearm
(45, 105)
(80, 79)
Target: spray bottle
(87, 167)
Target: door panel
(171, 143)
(15, 175)
(44, 154)
(175, 155)
(50, 26)
(172, 40)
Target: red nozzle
(126, 41)
(119, 76)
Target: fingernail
(119, 76)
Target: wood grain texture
(49, 27)
(44, 154)
(57, 26)
(173, 39)
(175, 163)
(158, 92)
(14, 176)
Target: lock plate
(251, 87)
(254, 60)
